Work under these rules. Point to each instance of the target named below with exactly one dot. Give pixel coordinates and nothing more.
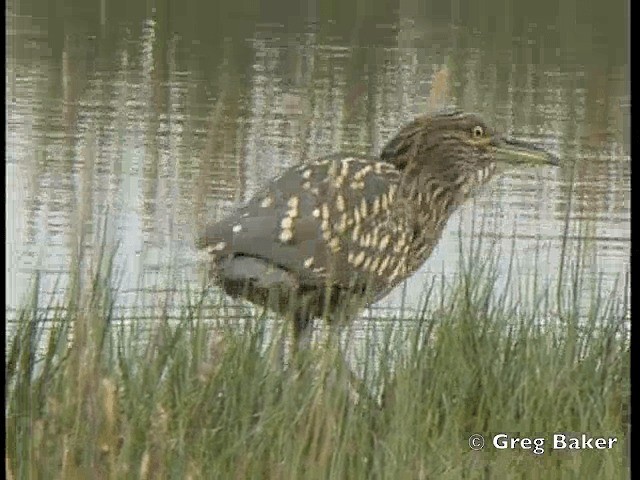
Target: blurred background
(133, 124)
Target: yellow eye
(477, 131)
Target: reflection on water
(147, 128)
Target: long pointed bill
(517, 152)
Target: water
(139, 126)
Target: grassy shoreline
(183, 400)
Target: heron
(327, 238)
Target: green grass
(91, 396)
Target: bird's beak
(517, 152)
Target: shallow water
(150, 123)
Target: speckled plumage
(328, 237)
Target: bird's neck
(432, 200)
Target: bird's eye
(477, 131)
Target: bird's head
(459, 149)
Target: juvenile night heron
(327, 238)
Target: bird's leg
(302, 333)
(356, 387)
(280, 332)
